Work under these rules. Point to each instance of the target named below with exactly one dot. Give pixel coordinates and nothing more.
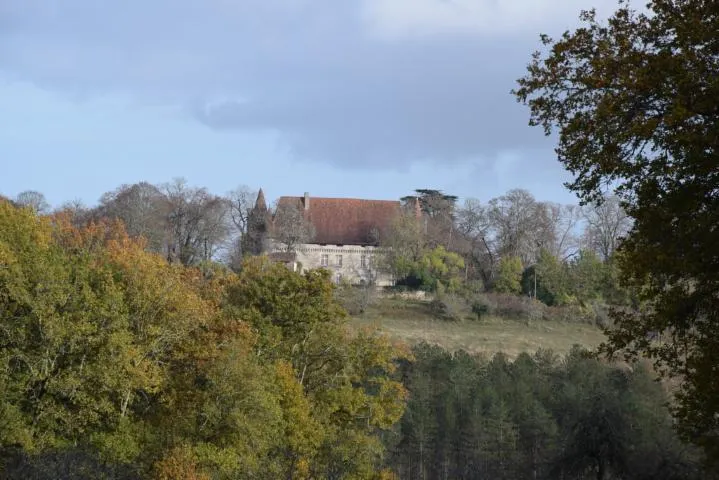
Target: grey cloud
(308, 70)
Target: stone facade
(346, 235)
(356, 264)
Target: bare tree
(79, 213)
(34, 200)
(606, 224)
(290, 227)
(197, 222)
(474, 240)
(241, 200)
(516, 221)
(143, 208)
(557, 229)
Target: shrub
(355, 299)
(601, 314)
(448, 307)
(514, 306)
(483, 305)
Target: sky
(350, 98)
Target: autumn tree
(76, 211)
(142, 208)
(90, 324)
(345, 380)
(634, 102)
(113, 357)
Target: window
(339, 261)
(324, 260)
(363, 261)
(338, 278)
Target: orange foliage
(179, 464)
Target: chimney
(307, 201)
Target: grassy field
(412, 322)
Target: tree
(607, 223)
(90, 322)
(634, 101)
(346, 380)
(112, 357)
(557, 229)
(509, 275)
(440, 269)
(240, 202)
(290, 227)
(34, 200)
(143, 209)
(548, 280)
(403, 247)
(438, 210)
(197, 223)
(515, 219)
(75, 210)
(475, 241)
(586, 274)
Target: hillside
(412, 321)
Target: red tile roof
(346, 221)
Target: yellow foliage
(190, 372)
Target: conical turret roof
(260, 203)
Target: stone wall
(358, 263)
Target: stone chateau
(345, 235)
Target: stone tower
(258, 227)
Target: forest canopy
(113, 357)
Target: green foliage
(440, 269)
(584, 281)
(535, 417)
(509, 275)
(191, 373)
(415, 264)
(634, 100)
(403, 247)
(552, 280)
(347, 380)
